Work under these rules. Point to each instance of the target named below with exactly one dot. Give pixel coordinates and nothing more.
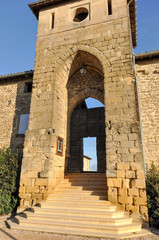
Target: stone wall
(107, 38)
(148, 81)
(14, 102)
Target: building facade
(84, 49)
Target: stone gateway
(84, 49)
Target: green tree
(8, 175)
(152, 184)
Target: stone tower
(84, 49)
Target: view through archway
(87, 137)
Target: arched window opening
(81, 14)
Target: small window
(28, 87)
(81, 14)
(109, 7)
(52, 20)
(23, 123)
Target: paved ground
(9, 234)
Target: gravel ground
(11, 234)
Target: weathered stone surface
(130, 174)
(132, 208)
(125, 199)
(125, 183)
(140, 201)
(41, 182)
(120, 173)
(114, 182)
(138, 183)
(101, 44)
(123, 166)
(122, 192)
(133, 192)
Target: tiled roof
(147, 55)
(24, 74)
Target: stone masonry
(101, 44)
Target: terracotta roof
(38, 5)
(13, 76)
(147, 55)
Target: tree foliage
(8, 175)
(152, 184)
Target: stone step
(84, 184)
(85, 174)
(81, 180)
(76, 197)
(80, 233)
(78, 201)
(81, 227)
(80, 219)
(86, 187)
(77, 205)
(79, 192)
(77, 212)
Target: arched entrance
(86, 79)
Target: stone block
(122, 192)
(132, 209)
(24, 195)
(34, 189)
(22, 189)
(127, 144)
(143, 210)
(120, 137)
(142, 193)
(111, 173)
(37, 196)
(133, 192)
(42, 189)
(123, 166)
(125, 183)
(134, 136)
(140, 174)
(138, 183)
(139, 201)
(114, 182)
(112, 195)
(135, 166)
(127, 157)
(120, 173)
(125, 200)
(130, 174)
(41, 182)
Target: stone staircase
(78, 206)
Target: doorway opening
(87, 137)
(90, 154)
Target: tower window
(109, 7)
(81, 14)
(52, 20)
(28, 87)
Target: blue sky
(18, 27)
